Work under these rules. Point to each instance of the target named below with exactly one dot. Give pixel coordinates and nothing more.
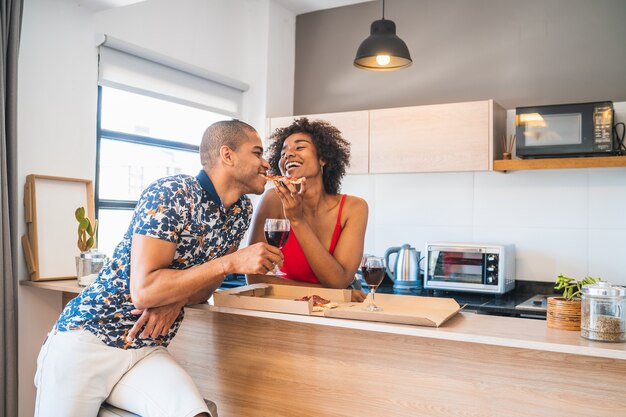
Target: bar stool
(107, 410)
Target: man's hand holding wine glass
(254, 259)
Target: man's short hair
(231, 133)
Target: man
(181, 243)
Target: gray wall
(515, 52)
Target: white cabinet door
(434, 138)
(354, 128)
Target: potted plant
(89, 261)
(564, 312)
(86, 231)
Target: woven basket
(563, 314)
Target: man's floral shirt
(180, 209)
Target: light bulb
(383, 59)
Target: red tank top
(295, 264)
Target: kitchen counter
(260, 363)
(464, 327)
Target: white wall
(56, 136)
(58, 89)
(281, 61)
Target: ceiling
(296, 6)
(98, 5)
(307, 6)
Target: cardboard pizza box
(402, 309)
(277, 298)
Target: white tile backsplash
(607, 198)
(607, 254)
(560, 221)
(443, 199)
(550, 198)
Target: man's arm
(202, 296)
(158, 320)
(153, 284)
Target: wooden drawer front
(436, 138)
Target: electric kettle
(406, 271)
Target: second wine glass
(276, 234)
(373, 270)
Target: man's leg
(75, 373)
(157, 386)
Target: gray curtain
(10, 24)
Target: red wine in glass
(277, 238)
(276, 234)
(373, 270)
(373, 276)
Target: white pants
(76, 372)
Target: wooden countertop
(64, 285)
(464, 327)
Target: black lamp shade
(383, 41)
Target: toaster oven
(470, 267)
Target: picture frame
(50, 242)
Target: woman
(325, 244)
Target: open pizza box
(277, 298)
(402, 309)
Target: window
(140, 139)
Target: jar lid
(604, 289)
(93, 254)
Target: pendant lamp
(382, 50)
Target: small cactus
(86, 232)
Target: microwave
(564, 130)
(470, 267)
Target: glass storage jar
(603, 316)
(88, 265)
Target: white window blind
(135, 69)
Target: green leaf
(90, 231)
(80, 213)
(84, 223)
(89, 244)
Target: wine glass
(373, 270)
(276, 234)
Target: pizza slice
(326, 306)
(319, 303)
(285, 179)
(317, 300)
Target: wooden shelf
(559, 163)
(65, 285)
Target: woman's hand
(157, 321)
(291, 199)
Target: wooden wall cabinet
(436, 138)
(354, 127)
